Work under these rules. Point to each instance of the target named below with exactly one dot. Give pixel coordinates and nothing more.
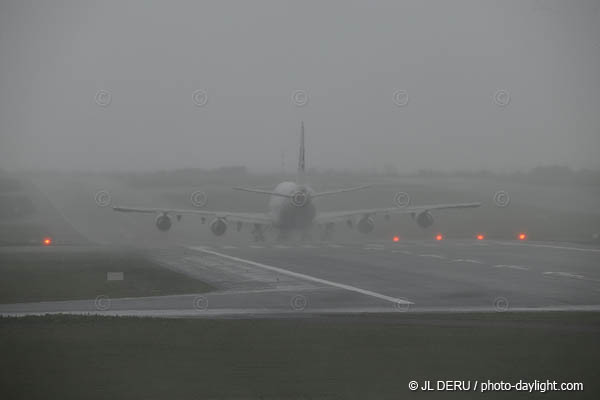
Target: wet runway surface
(297, 279)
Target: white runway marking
(309, 246)
(228, 247)
(281, 246)
(467, 260)
(256, 247)
(306, 277)
(564, 275)
(432, 256)
(334, 246)
(408, 253)
(512, 267)
(549, 246)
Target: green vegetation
(360, 357)
(58, 273)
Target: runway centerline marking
(467, 260)
(305, 277)
(519, 267)
(549, 246)
(432, 256)
(408, 253)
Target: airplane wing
(251, 218)
(337, 216)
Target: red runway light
(439, 236)
(480, 237)
(522, 236)
(396, 239)
(47, 241)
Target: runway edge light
(47, 241)
(522, 236)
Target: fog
(140, 85)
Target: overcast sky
(107, 85)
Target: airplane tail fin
(301, 156)
(301, 176)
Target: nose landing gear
(327, 231)
(258, 233)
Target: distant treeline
(551, 174)
(186, 176)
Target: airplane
(291, 208)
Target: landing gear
(282, 236)
(327, 231)
(306, 236)
(258, 233)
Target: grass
(66, 274)
(358, 357)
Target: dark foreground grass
(360, 357)
(81, 273)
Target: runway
(303, 279)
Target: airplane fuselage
(295, 213)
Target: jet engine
(424, 219)
(163, 222)
(218, 226)
(365, 225)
